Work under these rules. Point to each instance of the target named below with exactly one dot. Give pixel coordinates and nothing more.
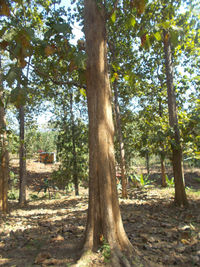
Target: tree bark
(162, 153)
(75, 175)
(22, 159)
(104, 220)
(180, 194)
(147, 162)
(4, 156)
(163, 173)
(121, 143)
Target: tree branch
(58, 82)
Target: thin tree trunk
(121, 143)
(75, 175)
(22, 151)
(180, 194)
(22, 159)
(162, 153)
(4, 156)
(163, 173)
(104, 219)
(147, 162)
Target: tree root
(85, 259)
(119, 259)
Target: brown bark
(147, 162)
(75, 175)
(4, 156)
(180, 194)
(104, 218)
(121, 143)
(22, 159)
(162, 153)
(163, 173)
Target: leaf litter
(49, 232)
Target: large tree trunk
(22, 159)
(121, 143)
(75, 175)
(180, 194)
(104, 219)
(4, 156)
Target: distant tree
(71, 140)
(4, 156)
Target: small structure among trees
(47, 157)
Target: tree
(167, 24)
(104, 219)
(4, 156)
(121, 141)
(180, 194)
(75, 171)
(22, 159)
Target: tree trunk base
(117, 259)
(181, 204)
(22, 204)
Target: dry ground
(48, 232)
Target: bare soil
(49, 232)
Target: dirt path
(49, 232)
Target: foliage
(40, 140)
(64, 176)
(170, 182)
(106, 251)
(197, 179)
(142, 179)
(60, 178)
(13, 194)
(37, 36)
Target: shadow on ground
(50, 232)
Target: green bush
(170, 182)
(13, 194)
(142, 179)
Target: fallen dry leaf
(41, 257)
(51, 262)
(57, 238)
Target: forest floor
(48, 232)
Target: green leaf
(83, 92)
(126, 78)
(197, 78)
(132, 21)
(113, 17)
(158, 36)
(174, 38)
(62, 28)
(112, 79)
(165, 25)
